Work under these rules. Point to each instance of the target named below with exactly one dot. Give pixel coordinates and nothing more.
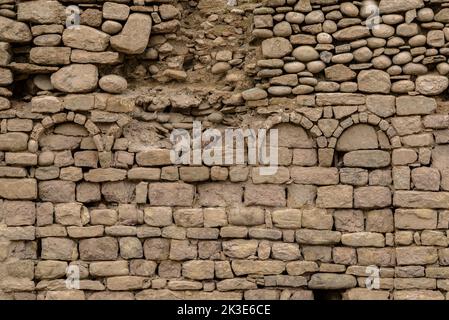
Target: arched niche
(363, 146)
(294, 136)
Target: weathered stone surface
(113, 83)
(292, 136)
(103, 175)
(109, 268)
(156, 249)
(431, 85)
(349, 220)
(376, 256)
(372, 197)
(166, 27)
(265, 195)
(134, 36)
(351, 33)
(56, 142)
(367, 159)
(198, 270)
(50, 55)
(421, 199)
(18, 189)
(246, 216)
(57, 191)
(123, 283)
(316, 219)
(374, 81)
(85, 38)
(46, 104)
(70, 214)
(50, 269)
(162, 194)
(439, 156)
(59, 249)
(244, 267)
(19, 213)
(168, 11)
(365, 294)
(155, 157)
(115, 11)
(287, 218)
(416, 255)
(276, 48)
(331, 281)
(105, 248)
(338, 99)
(426, 179)
(380, 221)
(339, 72)
(107, 57)
(76, 78)
(407, 105)
(417, 219)
(119, 192)
(235, 284)
(317, 237)
(334, 197)
(14, 31)
(314, 176)
(305, 54)
(392, 6)
(41, 12)
(363, 239)
(418, 295)
(13, 141)
(358, 137)
(158, 216)
(299, 196)
(254, 94)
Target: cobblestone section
(86, 179)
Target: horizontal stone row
(212, 194)
(252, 294)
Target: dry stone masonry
(91, 90)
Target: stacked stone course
(86, 178)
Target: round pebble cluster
(371, 47)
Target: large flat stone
(86, 38)
(332, 281)
(421, 199)
(76, 78)
(367, 159)
(41, 12)
(18, 189)
(13, 141)
(135, 35)
(50, 55)
(415, 219)
(392, 6)
(409, 105)
(14, 31)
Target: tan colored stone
(335, 197)
(416, 255)
(105, 248)
(244, 267)
(59, 249)
(331, 281)
(134, 36)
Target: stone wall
(86, 179)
